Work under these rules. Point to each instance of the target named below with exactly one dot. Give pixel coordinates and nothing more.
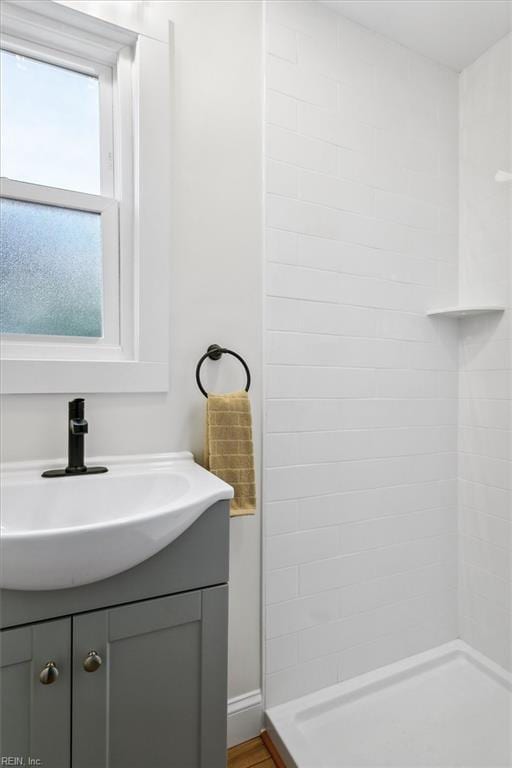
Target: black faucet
(77, 428)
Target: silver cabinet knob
(92, 662)
(49, 673)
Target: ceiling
(452, 32)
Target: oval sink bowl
(67, 531)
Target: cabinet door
(159, 697)
(35, 717)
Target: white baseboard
(245, 717)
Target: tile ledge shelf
(460, 312)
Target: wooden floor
(250, 754)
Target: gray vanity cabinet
(150, 701)
(141, 660)
(35, 717)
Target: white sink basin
(67, 531)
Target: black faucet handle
(78, 426)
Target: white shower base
(447, 707)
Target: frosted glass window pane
(51, 270)
(50, 125)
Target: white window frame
(132, 355)
(108, 346)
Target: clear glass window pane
(50, 125)
(51, 270)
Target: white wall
(485, 409)
(361, 409)
(215, 271)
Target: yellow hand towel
(229, 452)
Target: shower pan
(447, 707)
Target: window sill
(83, 376)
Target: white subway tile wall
(485, 409)
(361, 387)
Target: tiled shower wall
(485, 410)
(361, 387)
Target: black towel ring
(215, 352)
